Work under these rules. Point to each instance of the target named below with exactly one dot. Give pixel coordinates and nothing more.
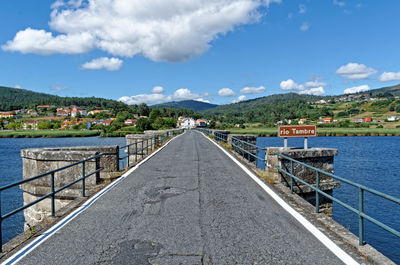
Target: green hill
(259, 102)
(15, 98)
(186, 104)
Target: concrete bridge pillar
(42, 160)
(137, 150)
(322, 158)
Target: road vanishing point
(189, 203)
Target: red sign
(297, 131)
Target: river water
(371, 161)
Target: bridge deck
(189, 204)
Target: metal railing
(53, 190)
(361, 190)
(143, 147)
(239, 146)
(245, 149)
(145, 144)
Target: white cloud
(42, 42)
(173, 30)
(313, 87)
(185, 93)
(302, 9)
(157, 90)
(305, 26)
(389, 76)
(146, 98)
(314, 83)
(252, 90)
(356, 89)
(226, 92)
(17, 86)
(239, 99)
(339, 3)
(110, 64)
(290, 85)
(202, 100)
(355, 71)
(156, 98)
(315, 91)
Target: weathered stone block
(42, 160)
(321, 158)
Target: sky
(217, 51)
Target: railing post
(317, 193)
(360, 218)
(83, 179)
(136, 151)
(291, 178)
(129, 154)
(52, 195)
(248, 154)
(142, 152)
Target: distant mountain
(187, 104)
(15, 98)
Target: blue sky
(219, 51)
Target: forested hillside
(15, 98)
(268, 110)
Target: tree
(44, 125)
(143, 124)
(144, 110)
(122, 116)
(212, 124)
(154, 114)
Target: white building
(188, 123)
(393, 118)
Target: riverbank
(272, 132)
(48, 133)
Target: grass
(260, 131)
(47, 133)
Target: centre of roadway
(188, 204)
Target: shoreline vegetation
(273, 132)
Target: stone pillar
(158, 135)
(135, 150)
(322, 158)
(39, 161)
(224, 134)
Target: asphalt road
(188, 204)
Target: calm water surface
(11, 171)
(373, 161)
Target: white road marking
(46, 235)
(335, 249)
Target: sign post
(297, 131)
